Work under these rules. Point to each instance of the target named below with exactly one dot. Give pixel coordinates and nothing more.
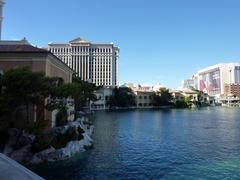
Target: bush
(88, 147)
(61, 117)
(42, 142)
(61, 140)
(4, 125)
(3, 138)
(37, 127)
(80, 132)
(180, 104)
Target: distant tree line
(122, 97)
(162, 98)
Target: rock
(42, 156)
(71, 148)
(25, 139)
(22, 155)
(13, 132)
(18, 139)
(19, 145)
(13, 139)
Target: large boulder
(17, 140)
(42, 156)
(25, 139)
(71, 147)
(22, 155)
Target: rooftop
(11, 42)
(20, 48)
(216, 66)
(81, 41)
(78, 40)
(24, 46)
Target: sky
(161, 41)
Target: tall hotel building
(96, 63)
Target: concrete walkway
(11, 170)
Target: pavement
(11, 170)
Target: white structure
(143, 98)
(1, 17)
(150, 88)
(96, 63)
(103, 96)
(188, 83)
(212, 79)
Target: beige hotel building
(96, 63)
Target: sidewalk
(11, 170)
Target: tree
(122, 97)
(23, 90)
(162, 97)
(81, 91)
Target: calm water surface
(156, 144)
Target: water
(156, 144)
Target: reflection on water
(171, 144)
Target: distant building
(143, 94)
(212, 79)
(177, 95)
(188, 83)
(193, 95)
(17, 54)
(96, 63)
(232, 90)
(143, 98)
(154, 88)
(103, 96)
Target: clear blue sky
(161, 41)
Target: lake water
(157, 144)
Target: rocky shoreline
(24, 154)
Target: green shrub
(37, 127)
(42, 142)
(61, 117)
(88, 147)
(4, 125)
(180, 104)
(62, 139)
(3, 138)
(80, 132)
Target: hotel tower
(96, 63)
